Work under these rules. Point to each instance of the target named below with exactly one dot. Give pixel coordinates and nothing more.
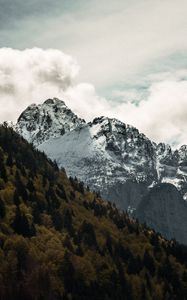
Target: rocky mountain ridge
(126, 153)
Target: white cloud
(31, 75)
(83, 99)
(162, 116)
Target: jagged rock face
(172, 166)
(106, 154)
(164, 209)
(53, 118)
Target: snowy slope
(104, 153)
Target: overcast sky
(122, 58)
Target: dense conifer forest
(58, 240)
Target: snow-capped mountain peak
(106, 154)
(51, 119)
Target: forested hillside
(60, 241)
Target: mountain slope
(164, 209)
(107, 155)
(60, 241)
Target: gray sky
(130, 52)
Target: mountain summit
(53, 118)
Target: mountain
(60, 241)
(108, 156)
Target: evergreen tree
(60, 191)
(79, 251)
(81, 187)
(21, 190)
(36, 214)
(16, 198)
(87, 234)
(30, 186)
(57, 220)
(108, 244)
(67, 272)
(134, 265)
(67, 221)
(3, 172)
(21, 224)
(148, 262)
(9, 161)
(2, 209)
(68, 244)
(53, 200)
